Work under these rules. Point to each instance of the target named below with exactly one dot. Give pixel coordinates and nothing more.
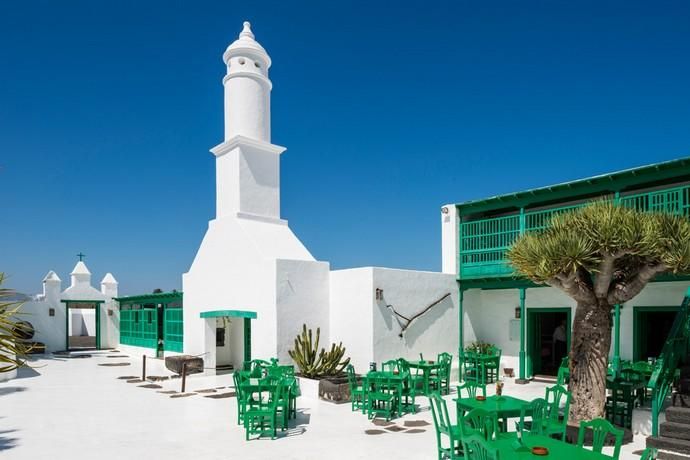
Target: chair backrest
(539, 409)
(439, 410)
(478, 421)
(556, 396)
(446, 361)
(601, 428)
(390, 366)
(477, 448)
(471, 388)
(351, 377)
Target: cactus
(313, 365)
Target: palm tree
(12, 350)
(601, 254)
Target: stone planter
(334, 389)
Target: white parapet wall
(370, 330)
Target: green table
(557, 449)
(503, 406)
(426, 367)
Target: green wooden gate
(173, 329)
(139, 328)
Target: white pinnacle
(247, 30)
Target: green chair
(264, 420)
(471, 389)
(539, 409)
(445, 430)
(477, 448)
(409, 391)
(383, 397)
(242, 401)
(357, 393)
(563, 372)
(478, 421)
(620, 403)
(649, 454)
(390, 366)
(557, 422)
(493, 365)
(600, 430)
(439, 379)
(474, 370)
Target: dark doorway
(548, 339)
(651, 328)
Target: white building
(81, 316)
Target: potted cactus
(325, 366)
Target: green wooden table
(557, 449)
(503, 406)
(426, 367)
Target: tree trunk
(589, 351)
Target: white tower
(249, 259)
(109, 285)
(52, 285)
(247, 165)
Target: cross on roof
(81, 256)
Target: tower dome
(247, 88)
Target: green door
(541, 323)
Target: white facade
(47, 311)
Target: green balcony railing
(484, 243)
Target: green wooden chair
(557, 422)
(471, 389)
(539, 409)
(649, 454)
(390, 366)
(383, 396)
(242, 401)
(357, 392)
(479, 422)
(477, 448)
(445, 430)
(620, 403)
(409, 390)
(601, 429)
(439, 379)
(265, 419)
(474, 370)
(493, 365)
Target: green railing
(484, 242)
(173, 329)
(139, 327)
(675, 349)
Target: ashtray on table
(538, 450)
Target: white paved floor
(76, 409)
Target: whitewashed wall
(449, 239)
(490, 312)
(368, 328)
(50, 330)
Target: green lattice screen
(173, 329)
(139, 328)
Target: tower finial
(247, 30)
(81, 256)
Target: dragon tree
(600, 255)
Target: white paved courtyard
(76, 409)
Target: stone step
(678, 415)
(675, 430)
(666, 455)
(681, 446)
(680, 400)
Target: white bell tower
(247, 164)
(249, 259)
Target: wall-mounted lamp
(110, 312)
(444, 210)
(51, 312)
(379, 294)
(518, 312)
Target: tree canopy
(604, 252)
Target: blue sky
(388, 111)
